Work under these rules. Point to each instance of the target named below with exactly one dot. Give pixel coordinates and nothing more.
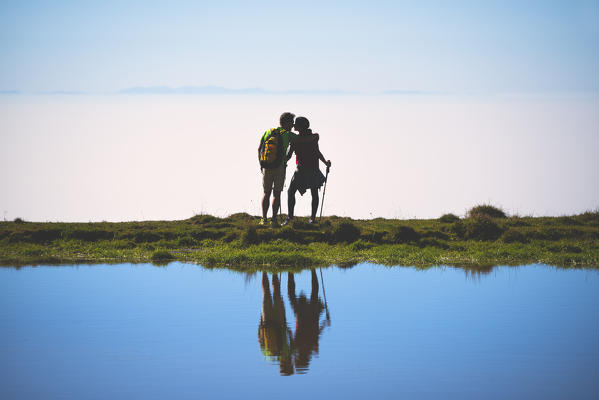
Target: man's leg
(314, 202)
(276, 203)
(279, 182)
(267, 183)
(265, 204)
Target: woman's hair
(302, 124)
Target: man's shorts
(273, 177)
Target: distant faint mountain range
(410, 92)
(52, 92)
(188, 90)
(219, 90)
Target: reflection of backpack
(271, 149)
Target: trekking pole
(326, 307)
(324, 191)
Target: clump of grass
(482, 227)
(360, 245)
(376, 237)
(449, 218)
(146, 237)
(346, 232)
(458, 229)
(486, 210)
(162, 255)
(404, 234)
(203, 219)
(567, 220)
(201, 234)
(431, 242)
(186, 241)
(240, 217)
(513, 235)
(591, 217)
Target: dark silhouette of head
(286, 120)
(302, 124)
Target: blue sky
(367, 46)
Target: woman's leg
(314, 192)
(291, 199)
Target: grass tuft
(404, 234)
(449, 218)
(513, 235)
(186, 241)
(486, 210)
(346, 232)
(360, 245)
(482, 227)
(201, 219)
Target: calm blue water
(182, 331)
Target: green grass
(486, 210)
(238, 241)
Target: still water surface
(182, 331)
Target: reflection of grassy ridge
(238, 240)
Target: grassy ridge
(483, 238)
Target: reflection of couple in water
(276, 339)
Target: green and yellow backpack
(271, 149)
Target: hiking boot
(312, 221)
(287, 221)
(274, 223)
(262, 221)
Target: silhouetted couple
(276, 339)
(276, 147)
